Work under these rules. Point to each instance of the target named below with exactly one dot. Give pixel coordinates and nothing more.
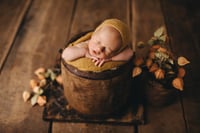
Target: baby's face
(105, 42)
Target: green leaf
(159, 32)
(167, 66)
(163, 38)
(171, 61)
(140, 44)
(151, 42)
(34, 99)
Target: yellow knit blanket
(85, 64)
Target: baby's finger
(101, 63)
(96, 63)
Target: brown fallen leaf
(181, 72)
(159, 74)
(136, 71)
(178, 83)
(182, 61)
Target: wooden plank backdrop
(43, 32)
(32, 32)
(12, 13)
(183, 19)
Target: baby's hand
(100, 62)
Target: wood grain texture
(11, 15)
(182, 19)
(90, 14)
(147, 16)
(166, 119)
(43, 32)
(87, 16)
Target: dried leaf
(149, 62)
(170, 61)
(161, 49)
(159, 74)
(26, 95)
(178, 83)
(40, 71)
(154, 47)
(163, 38)
(151, 42)
(41, 76)
(50, 74)
(153, 68)
(162, 56)
(159, 32)
(33, 83)
(167, 66)
(43, 82)
(181, 72)
(34, 99)
(136, 71)
(140, 44)
(138, 61)
(151, 55)
(59, 79)
(42, 100)
(182, 61)
(53, 76)
(38, 90)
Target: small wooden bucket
(97, 93)
(158, 94)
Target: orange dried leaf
(182, 61)
(59, 79)
(178, 83)
(41, 100)
(159, 74)
(40, 71)
(33, 83)
(138, 61)
(136, 71)
(181, 72)
(152, 55)
(149, 62)
(155, 47)
(161, 49)
(26, 95)
(153, 68)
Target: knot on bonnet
(121, 27)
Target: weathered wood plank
(90, 128)
(87, 16)
(91, 13)
(147, 17)
(43, 32)
(11, 15)
(165, 120)
(183, 18)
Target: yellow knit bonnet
(121, 27)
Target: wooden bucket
(158, 94)
(97, 93)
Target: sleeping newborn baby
(109, 42)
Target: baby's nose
(100, 49)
